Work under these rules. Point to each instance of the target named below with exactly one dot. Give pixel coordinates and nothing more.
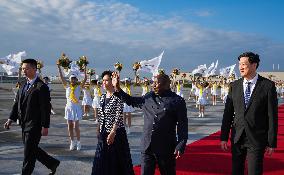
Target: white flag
(227, 71)
(199, 70)
(208, 71)
(151, 65)
(214, 69)
(74, 70)
(12, 62)
(18, 57)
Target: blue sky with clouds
(190, 32)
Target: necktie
(27, 88)
(247, 93)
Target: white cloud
(113, 22)
(111, 29)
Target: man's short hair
(252, 58)
(107, 72)
(31, 61)
(165, 78)
(46, 78)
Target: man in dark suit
(164, 111)
(32, 108)
(251, 113)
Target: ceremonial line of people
(250, 114)
(201, 90)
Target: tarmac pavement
(80, 162)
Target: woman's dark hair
(252, 58)
(107, 72)
(94, 81)
(30, 61)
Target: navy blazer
(259, 120)
(32, 109)
(162, 115)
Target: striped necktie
(247, 93)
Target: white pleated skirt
(87, 101)
(202, 101)
(73, 111)
(96, 102)
(127, 108)
(214, 92)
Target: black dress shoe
(53, 169)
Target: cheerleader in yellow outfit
(214, 93)
(145, 86)
(73, 110)
(87, 100)
(127, 109)
(196, 91)
(96, 99)
(202, 98)
(225, 92)
(179, 87)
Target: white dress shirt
(31, 83)
(252, 85)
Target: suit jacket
(162, 115)
(32, 109)
(111, 114)
(259, 120)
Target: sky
(191, 32)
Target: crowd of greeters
(250, 115)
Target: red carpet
(206, 157)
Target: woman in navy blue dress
(112, 153)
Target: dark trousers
(242, 151)
(166, 163)
(32, 153)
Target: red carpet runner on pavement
(206, 157)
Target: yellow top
(128, 90)
(146, 88)
(214, 86)
(178, 87)
(200, 91)
(99, 91)
(72, 93)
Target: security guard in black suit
(32, 108)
